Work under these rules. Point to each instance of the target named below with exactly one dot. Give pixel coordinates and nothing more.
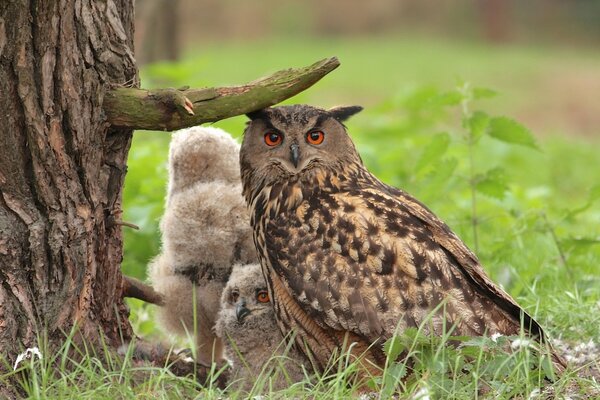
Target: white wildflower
(368, 396)
(495, 337)
(422, 394)
(534, 394)
(521, 343)
(30, 352)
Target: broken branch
(139, 290)
(171, 109)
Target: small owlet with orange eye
(254, 345)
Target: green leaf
(419, 98)
(450, 98)
(439, 176)
(393, 376)
(510, 131)
(396, 371)
(580, 242)
(477, 123)
(434, 150)
(414, 337)
(483, 93)
(547, 367)
(593, 196)
(478, 342)
(492, 183)
(393, 347)
(462, 338)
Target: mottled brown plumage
(347, 256)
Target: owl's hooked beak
(295, 154)
(241, 311)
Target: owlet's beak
(241, 311)
(294, 154)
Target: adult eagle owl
(349, 258)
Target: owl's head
(245, 304)
(289, 141)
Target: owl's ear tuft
(342, 113)
(258, 114)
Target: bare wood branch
(139, 290)
(128, 224)
(171, 109)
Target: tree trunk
(495, 18)
(65, 66)
(62, 168)
(159, 30)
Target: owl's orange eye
(273, 138)
(315, 137)
(262, 296)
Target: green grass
(79, 372)
(486, 368)
(531, 209)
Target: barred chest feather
(283, 197)
(289, 200)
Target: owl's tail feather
(559, 363)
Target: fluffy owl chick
(205, 232)
(253, 342)
(202, 154)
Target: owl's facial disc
(293, 158)
(291, 141)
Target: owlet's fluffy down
(252, 340)
(205, 231)
(347, 257)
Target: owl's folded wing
(464, 259)
(371, 262)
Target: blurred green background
(531, 200)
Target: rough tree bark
(65, 66)
(62, 168)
